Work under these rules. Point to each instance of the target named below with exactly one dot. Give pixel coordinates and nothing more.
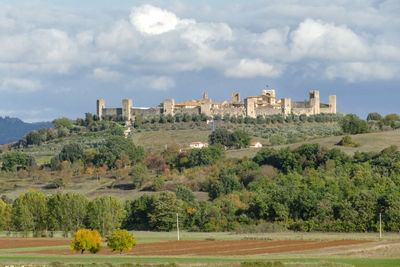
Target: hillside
(369, 142)
(13, 129)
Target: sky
(58, 57)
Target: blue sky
(58, 57)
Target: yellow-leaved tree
(121, 240)
(86, 239)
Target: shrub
(347, 141)
(121, 240)
(86, 239)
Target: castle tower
(235, 98)
(269, 96)
(205, 105)
(286, 106)
(250, 105)
(169, 106)
(100, 106)
(127, 109)
(332, 104)
(314, 101)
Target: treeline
(310, 188)
(64, 127)
(267, 119)
(352, 124)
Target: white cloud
(159, 83)
(105, 75)
(362, 71)
(316, 39)
(200, 33)
(19, 86)
(153, 20)
(248, 68)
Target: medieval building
(252, 106)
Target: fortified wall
(252, 106)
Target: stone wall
(266, 111)
(147, 112)
(112, 111)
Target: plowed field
(13, 242)
(219, 248)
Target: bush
(86, 239)
(347, 141)
(121, 240)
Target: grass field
(376, 252)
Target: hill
(369, 142)
(13, 129)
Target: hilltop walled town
(252, 106)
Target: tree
(71, 152)
(219, 136)
(184, 193)
(14, 160)
(67, 212)
(105, 214)
(63, 123)
(163, 215)
(86, 239)
(391, 119)
(205, 156)
(354, 125)
(5, 216)
(115, 147)
(121, 240)
(374, 116)
(29, 212)
(33, 138)
(239, 139)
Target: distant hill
(14, 129)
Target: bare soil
(16, 242)
(214, 248)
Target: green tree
(5, 216)
(391, 120)
(71, 152)
(374, 116)
(352, 124)
(14, 160)
(205, 156)
(33, 138)
(86, 239)
(121, 240)
(105, 214)
(163, 214)
(29, 212)
(184, 193)
(67, 212)
(139, 174)
(138, 212)
(63, 123)
(239, 139)
(219, 136)
(116, 146)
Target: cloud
(19, 86)
(316, 39)
(362, 71)
(158, 83)
(152, 20)
(106, 75)
(249, 68)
